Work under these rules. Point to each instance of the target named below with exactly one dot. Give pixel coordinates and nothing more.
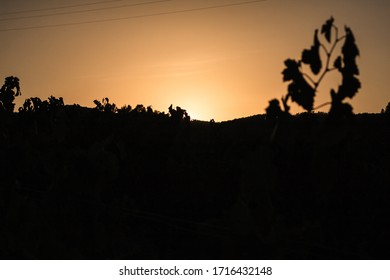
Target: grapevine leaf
(350, 45)
(337, 63)
(302, 93)
(339, 109)
(312, 56)
(349, 87)
(350, 83)
(291, 71)
(327, 29)
(350, 51)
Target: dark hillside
(77, 183)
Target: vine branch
(328, 57)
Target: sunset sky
(214, 59)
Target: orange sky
(220, 63)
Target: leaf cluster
(302, 86)
(36, 105)
(105, 106)
(8, 92)
(299, 89)
(179, 114)
(348, 67)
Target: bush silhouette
(303, 87)
(273, 110)
(8, 92)
(139, 109)
(36, 105)
(105, 106)
(179, 114)
(55, 103)
(125, 109)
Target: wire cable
(60, 7)
(132, 17)
(85, 11)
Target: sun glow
(198, 101)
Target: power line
(59, 7)
(133, 17)
(85, 11)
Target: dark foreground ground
(86, 185)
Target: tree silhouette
(55, 103)
(125, 109)
(33, 104)
(36, 105)
(105, 106)
(303, 87)
(139, 109)
(179, 114)
(8, 92)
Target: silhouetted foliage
(312, 56)
(8, 92)
(36, 105)
(303, 87)
(55, 103)
(179, 114)
(149, 110)
(299, 89)
(387, 110)
(105, 106)
(139, 109)
(125, 109)
(273, 110)
(327, 29)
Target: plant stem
(325, 49)
(328, 56)
(322, 105)
(309, 78)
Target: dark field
(83, 184)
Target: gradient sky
(221, 63)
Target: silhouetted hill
(77, 183)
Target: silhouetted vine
(303, 87)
